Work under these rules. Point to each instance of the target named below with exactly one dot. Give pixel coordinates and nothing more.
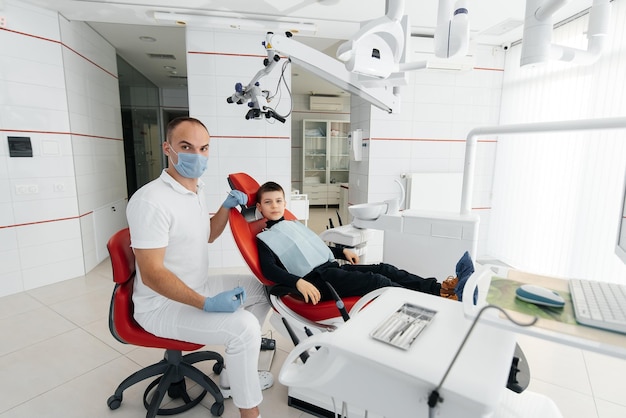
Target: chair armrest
(282, 290)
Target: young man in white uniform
(170, 229)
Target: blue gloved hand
(235, 197)
(227, 301)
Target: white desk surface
(573, 334)
(353, 366)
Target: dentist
(170, 228)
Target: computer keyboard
(599, 304)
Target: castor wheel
(114, 401)
(217, 409)
(218, 367)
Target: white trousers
(239, 332)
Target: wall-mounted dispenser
(20, 146)
(355, 142)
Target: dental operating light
(537, 46)
(370, 65)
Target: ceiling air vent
(162, 56)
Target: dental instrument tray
(403, 326)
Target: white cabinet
(326, 160)
(299, 206)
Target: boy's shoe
(447, 288)
(464, 269)
(265, 379)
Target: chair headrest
(246, 184)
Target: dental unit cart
(425, 242)
(348, 236)
(359, 368)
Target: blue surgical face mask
(191, 165)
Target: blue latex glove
(235, 198)
(227, 301)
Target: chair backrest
(244, 231)
(246, 184)
(122, 256)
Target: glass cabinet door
(326, 160)
(315, 152)
(339, 155)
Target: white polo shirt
(163, 214)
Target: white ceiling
(122, 23)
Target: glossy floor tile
(58, 359)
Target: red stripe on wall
(427, 139)
(227, 54)
(45, 222)
(248, 137)
(60, 133)
(489, 69)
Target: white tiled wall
(557, 197)
(59, 88)
(215, 62)
(438, 109)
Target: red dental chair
(287, 301)
(169, 373)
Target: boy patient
(293, 255)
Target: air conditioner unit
(326, 103)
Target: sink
(368, 211)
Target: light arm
(252, 93)
(319, 64)
(452, 32)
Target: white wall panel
(57, 271)
(442, 109)
(37, 119)
(59, 86)
(31, 19)
(19, 69)
(216, 61)
(10, 271)
(557, 196)
(107, 220)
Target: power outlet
(26, 189)
(3, 22)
